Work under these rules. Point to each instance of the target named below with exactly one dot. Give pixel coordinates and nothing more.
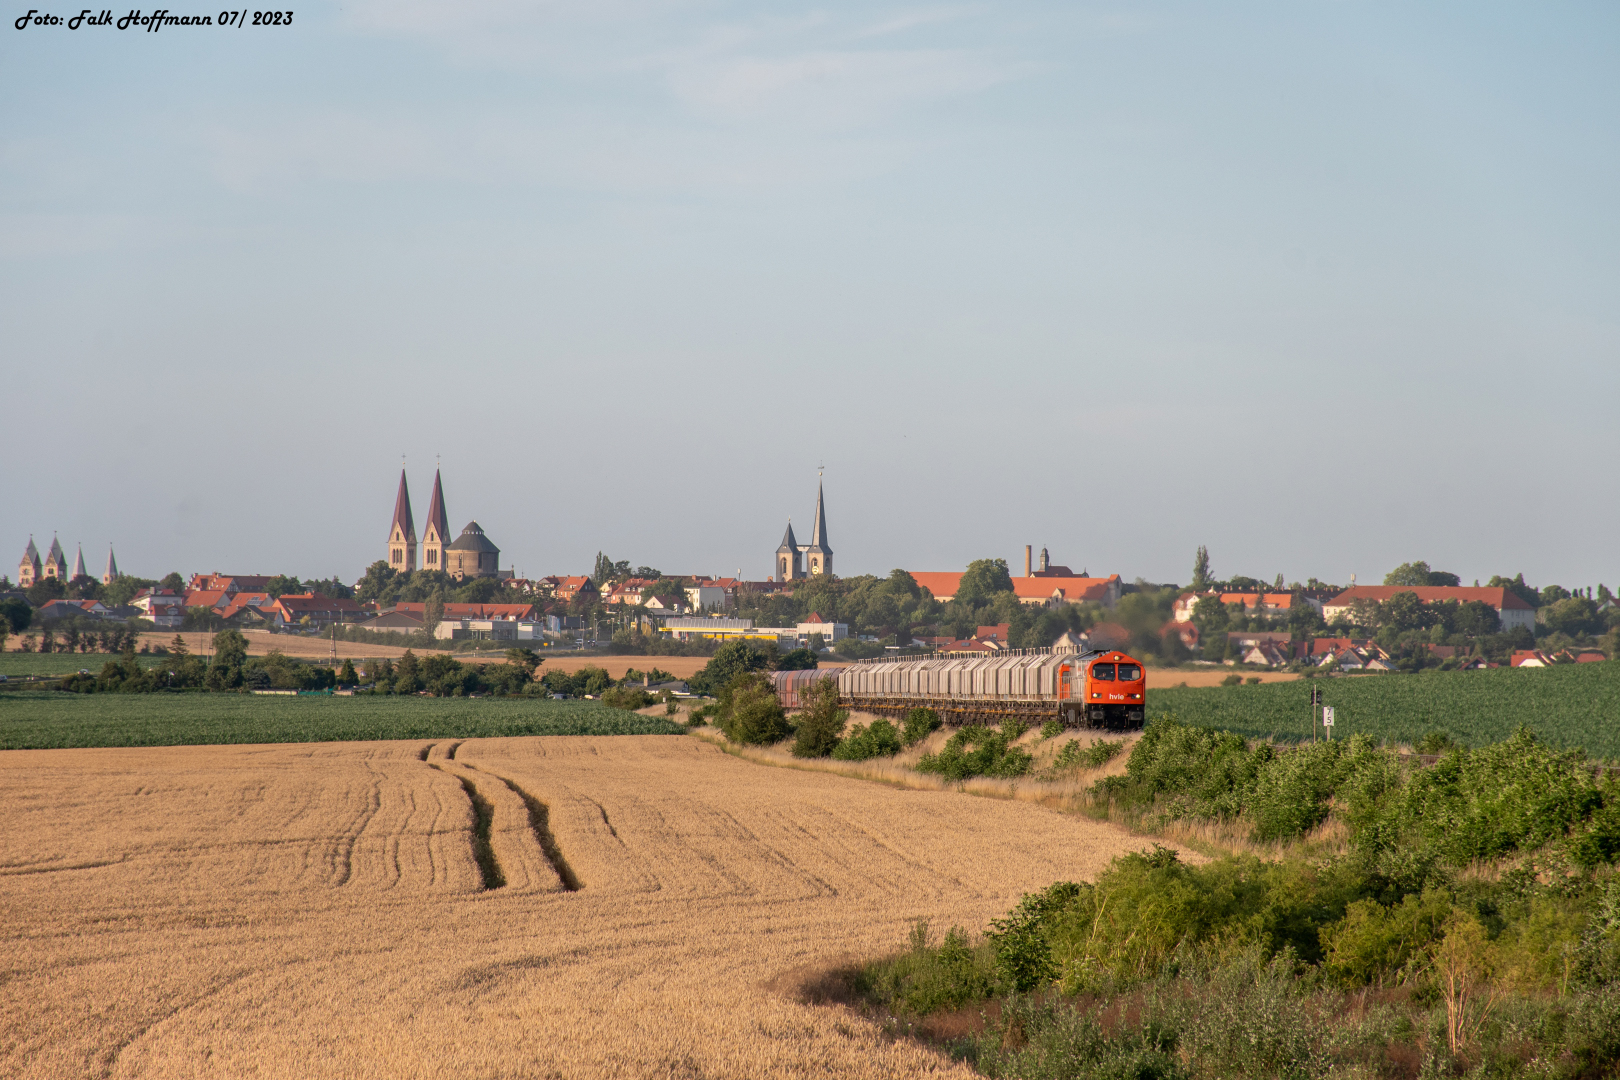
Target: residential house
(1000, 633)
(567, 589)
(72, 609)
(147, 599)
(1034, 591)
(1513, 611)
(228, 583)
(293, 608)
(1265, 654)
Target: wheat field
(641, 907)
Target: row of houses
(1511, 609)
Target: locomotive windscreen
(1103, 672)
(1129, 673)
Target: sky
(1324, 286)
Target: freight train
(1096, 689)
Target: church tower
(436, 533)
(111, 574)
(789, 564)
(402, 533)
(818, 554)
(29, 570)
(56, 561)
(78, 565)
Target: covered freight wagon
(1098, 689)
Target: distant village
(436, 588)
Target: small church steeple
(111, 574)
(78, 565)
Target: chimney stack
(1028, 550)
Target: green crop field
(14, 664)
(1573, 705)
(38, 719)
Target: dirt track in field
(317, 910)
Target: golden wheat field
(319, 910)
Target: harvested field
(321, 910)
(1162, 678)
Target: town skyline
(1324, 289)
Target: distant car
(84, 671)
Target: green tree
(378, 579)
(527, 659)
(750, 711)
(1572, 615)
(348, 676)
(797, 660)
(17, 613)
(433, 613)
(730, 660)
(282, 585)
(983, 579)
(1412, 573)
(821, 723)
(407, 674)
(1212, 620)
(173, 582)
(230, 657)
(1404, 611)
(83, 587)
(1201, 580)
(44, 591)
(901, 583)
(123, 589)
(1517, 587)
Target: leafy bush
(927, 978)
(1076, 754)
(629, 698)
(1051, 729)
(1200, 772)
(918, 725)
(749, 711)
(978, 751)
(730, 660)
(821, 723)
(879, 740)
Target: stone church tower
(436, 533)
(789, 563)
(56, 561)
(402, 533)
(29, 571)
(796, 561)
(818, 553)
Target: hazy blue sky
(1324, 286)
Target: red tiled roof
(204, 597)
(521, 612)
(1075, 589)
(1497, 598)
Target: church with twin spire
(470, 555)
(796, 561)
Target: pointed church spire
(402, 531)
(789, 541)
(78, 565)
(402, 510)
(112, 568)
(818, 536)
(436, 517)
(818, 553)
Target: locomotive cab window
(1103, 672)
(1129, 673)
